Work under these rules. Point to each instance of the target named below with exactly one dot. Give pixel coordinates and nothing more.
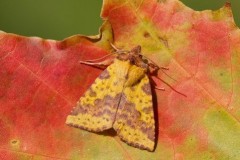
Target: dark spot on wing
(147, 89)
(104, 74)
(147, 110)
(92, 93)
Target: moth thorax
(135, 74)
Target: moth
(120, 98)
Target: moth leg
(171, 87)
(156, 69)
(101, 64)
(158, 88)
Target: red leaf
(41, 80)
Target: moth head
(136, 50)
(134, 56)
(137, 58)
(135, 53)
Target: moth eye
(145, 60)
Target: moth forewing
(96, 109)
(134, 121)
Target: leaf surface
(41, 80)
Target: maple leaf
(41, 80)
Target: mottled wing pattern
(134, 121)
(96, 109)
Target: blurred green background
(58, 19)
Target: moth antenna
(168, 75)
(114, 47)
(98, 59)
(119, 51)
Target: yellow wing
(134, 121)
(96, 109)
